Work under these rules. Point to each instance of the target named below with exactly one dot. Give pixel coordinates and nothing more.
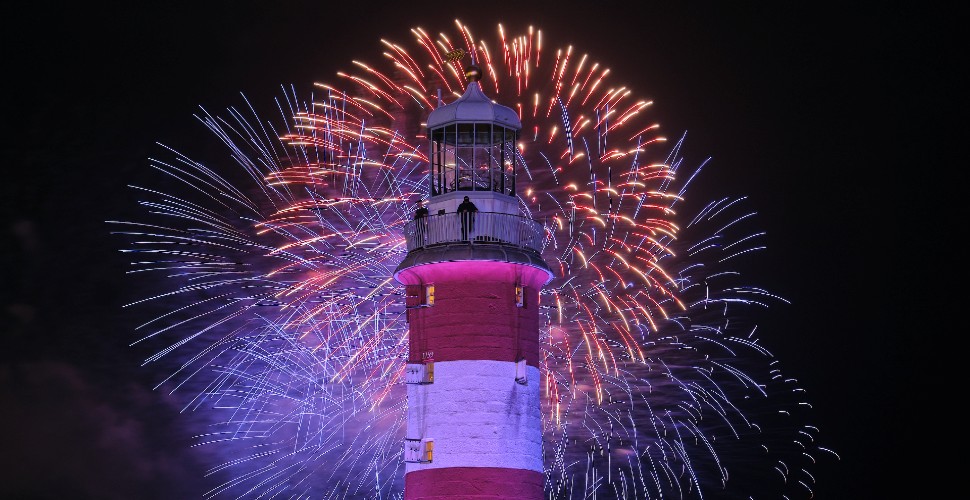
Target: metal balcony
(479, 228)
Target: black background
(816, 113)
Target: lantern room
(473, 143)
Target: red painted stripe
(475, 316)
(471, 483)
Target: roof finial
(473, 73)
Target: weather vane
(455, 55)
(472, 73)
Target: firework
(278, 318)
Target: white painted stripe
(478, 416)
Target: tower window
(416, 296)
(418, 451)
(419, 373)
(521, 376)
(520, 296)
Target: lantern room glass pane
(472, 156)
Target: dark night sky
(810, 111)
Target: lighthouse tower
(472, 282)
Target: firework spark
(280, 319)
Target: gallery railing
(478, 227)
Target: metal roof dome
(474, 107)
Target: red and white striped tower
(474, 422)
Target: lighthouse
(472, 279)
